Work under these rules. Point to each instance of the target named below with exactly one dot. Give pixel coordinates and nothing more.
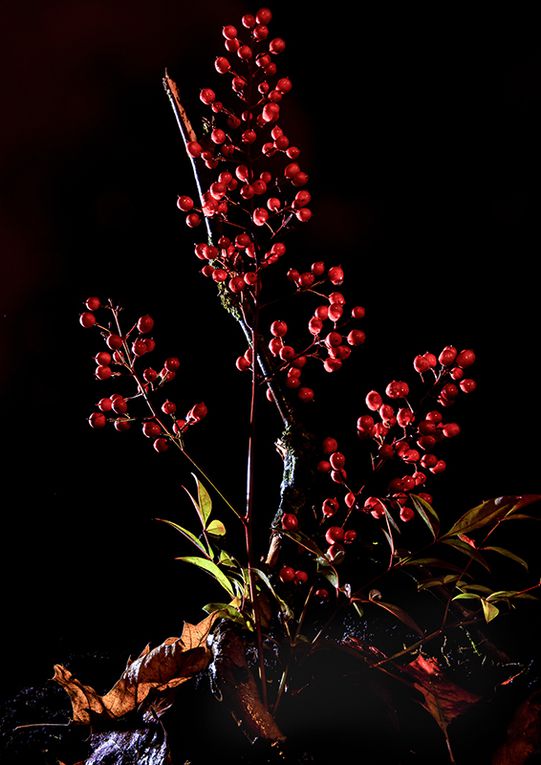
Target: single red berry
(122, 425)
(207, 96)
(330, 506)
(334, 534)
(145, 324)
(338, 476)
(323, 466)
(404, 417)
(150, 374)
(451, 430)
(249, 136)
(222, 65)
(194, 149)
(322, 594)
(290, 522)
(335, 275)
(103, 358)
(335, 312)
(87, 319)
(439, 467)
(105, 404)
(365, 423)
(179, 426)
(120, 405)
(464, 359)
(168, 407)
(151, 429)
(448, 356)
(260, 216)
(93, 303)
(432, 360)
(242, 364)
(306, 280)
(350, 499)
(263, 16)
(161, 445)
(449, 390)
(358, 312)
(419, 478)
(337, 460)
(397, 389)
(286, 352)
(374, 400)
(287, 574)
(197, 412)
(185, 203)
(277, 46)
(428, 460)
(193, 220)
(97, 420)
(172, 363)
(426, 497)
(457, 373)
(406, 514)
(301, 577)
(306, 394)
(229, 32)
(350, 537)
(103, 372)
(278, 328)
(315, 326)
(329, 445)
(333, 340)
(356, 337)
(336, 552)
(421, 364)
(467, 385)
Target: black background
(421, 136)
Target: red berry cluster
(257, 189)
(122, 358)
(331, 343)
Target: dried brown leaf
(157, 670)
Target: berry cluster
(122, 359)
(257, 189)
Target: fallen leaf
(158, 670)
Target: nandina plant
(358, 557)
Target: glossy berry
(467, 385)
(287, 574)
(451, 430)
(374, 400)
(160, 445)
(306, 394)
(421, 364)
(336, 552)
(329, 445)
(151, 429)
(301, 577)
(447, 356)
(103, 358)
(278, 328)
(97, 420)
(334, 534)
(465, 359)
(322, 594)
(105, 404)
(330, 506)
(172, 364)
(397, 389)
(406, 514)
(336, 275)
(93, 303)
(87, 319)
(103, 372)
(290, 522)
(337, 460)
(168, 407)
(350, 537)
(185, 203)
(356, 337)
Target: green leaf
(285, 609)
(489, 511)
(329, 572)
(304, 541)
(475, 588)
(442, 581)
(359, 609)
(464, 547)
(400, 614)
(216, 528)
(227, 611)
(427, 513)
(431, 563)
(467, 596)
(212, 569)
(226, 559)
(490, 611)
(187, 534)
(204, 501)
(508, 554)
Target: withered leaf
(159, 670)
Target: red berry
(333, 340)
(301, 577)
(161, 445)
(242, 364)
(404, 417)
(322, 594)
(197, 412)
(439, 467)
(121, 425)
(330, 445)
(334, 534)
(350, 537)
(249, 136)
(194, 149)
(207, 96)
(337, 460)
(428, 460)
(365, 423)
(172, 364)
(287, 574)
(330, 506)
(374, 400)
(120, 405)
(263, 16)
(358, 312)
(464, 359)
(397, 389)
(277, 46)
(278, 328)
(406, 514)
(374, 506)
(323, 466)
(185, 203)
(229, 32)
(87, 319)
(421, 364)
(306, 394)
(222, 65)
(451, 430)
(103, 358)
(151, 429)
(467, 385)
(332, 365)
(97, 420)
(179, 426)
(447, 356)
(315, 326)
(457, 373)
(336, 553)
(286, 352)
(449, 390)
(103, 372)
(168, 407)
(356, 337)
(336, 275)
(105, 404)
(290, 522)
(193, 220)
(150, 374)
(93, 303)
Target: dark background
(421, 136)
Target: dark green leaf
(212, 569)
(304, 541)
(285, 609)
(508, 554)
(431, 563)
(330, 573)
(400, 614)
(442, 581)
(489, 512)
(427, 513)
(227, 611)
